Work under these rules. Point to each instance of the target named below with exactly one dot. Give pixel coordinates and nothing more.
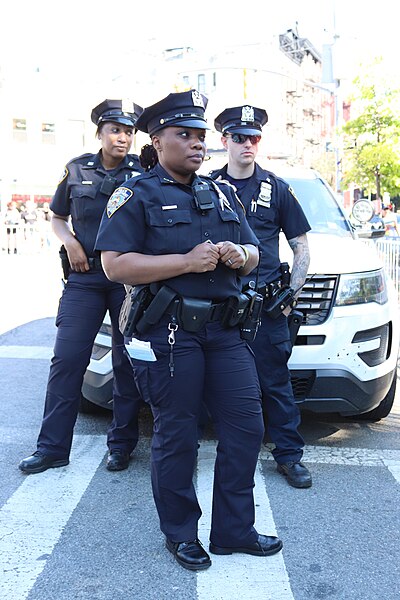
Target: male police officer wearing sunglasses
(271, 207)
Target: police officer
(271, 207)
(82, 194)
(190, 236)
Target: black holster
(66, 267)
(137, 299)
(295, 319)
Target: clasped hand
(207, 255)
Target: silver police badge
(264, 197)
(118, 198)
(247, 113)
(197, 99)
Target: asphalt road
(80, 532)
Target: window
(19, 130)
(201, 83)
(48, 133)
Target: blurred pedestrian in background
(390, 221)
(12, 220)
(78, 204)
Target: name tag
(87, 182)
(169, 207)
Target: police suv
(345, 356)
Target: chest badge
(118, 198)
(264, 197)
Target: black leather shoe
(117, 460)
(296, 473)
(264, 546)
(190, 555)
(39, 462)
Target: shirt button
(211, 280)
(169, 220)
(206, 234)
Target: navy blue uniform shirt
(154, 214)
(271, 207)
(82, 193)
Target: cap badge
(197, 99)
(247, 113)
(119, 197)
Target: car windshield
(321, 209)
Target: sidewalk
(31, 287)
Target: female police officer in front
(82, 194)
(172, 227)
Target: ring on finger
(229, 261)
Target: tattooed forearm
(301, 261)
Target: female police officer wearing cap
(173, 227)
(82, 194)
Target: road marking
(238, 575)
(25, 352)
(363, 457)
(33, 518)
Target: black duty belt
(191, 314)
(95, 263)
(268, 290)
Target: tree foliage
(371, 157)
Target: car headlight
(360, 288)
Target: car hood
(332, 255)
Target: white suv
(345, 356)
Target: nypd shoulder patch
(63, 175)
(291, 191)
(118, 198)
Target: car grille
(302, 382)
(316, 298)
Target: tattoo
(301, 262)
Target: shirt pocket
(231, 224)
(170, 230)
(80, 196)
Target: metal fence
(389, 251)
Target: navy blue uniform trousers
(83, 305)
(215, 365)
(272, 349)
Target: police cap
(182, 109)
(117, 111)
(241, 119)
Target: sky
(94, 30)
(79, 40)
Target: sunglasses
(241, 138)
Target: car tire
(384, 408)
(89, 408)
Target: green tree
(371, 157)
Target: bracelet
(246, 254)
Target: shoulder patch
(63, 175)
(291, 191)
(118, 198)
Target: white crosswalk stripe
(34, 517)
(239, 575)
(29, 535)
